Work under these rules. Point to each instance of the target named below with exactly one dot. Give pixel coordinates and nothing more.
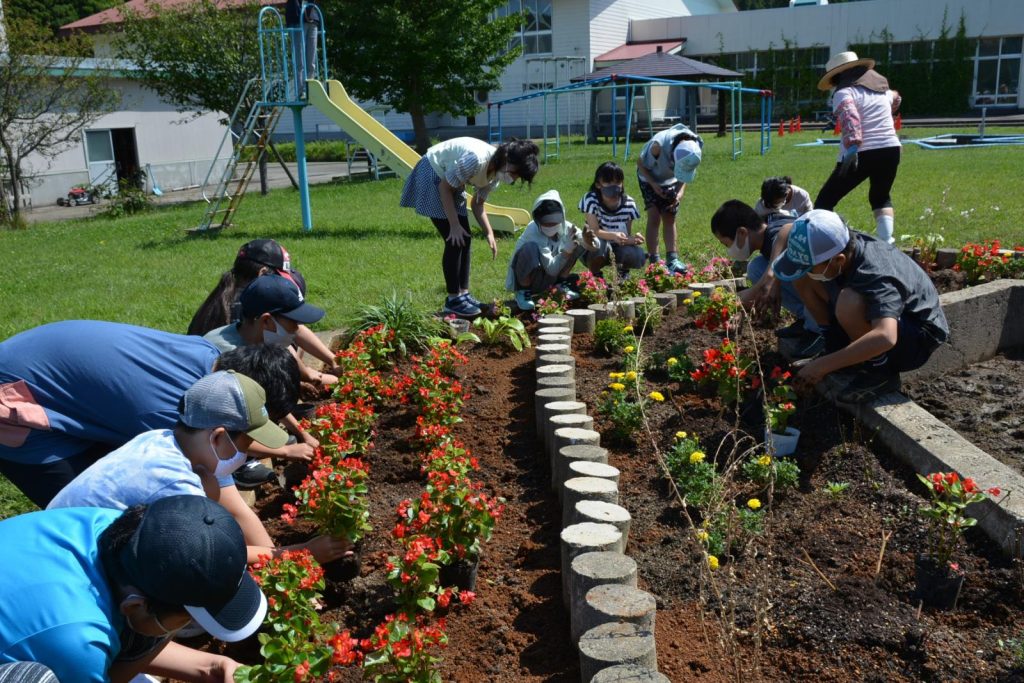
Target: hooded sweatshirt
(566, 239)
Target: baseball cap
(687, 156)
(816, 237)
(268, 253)
(189, 550)
(233, 401)
(279, 296)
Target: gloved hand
(848, 164)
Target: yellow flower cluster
(673, 361)
(712, 562)
(631, 376)
(616, 375)
(703, 536)
(696, 294)
(764, 460)
(680, 435)
(754, 504)
(617, 386)
(696, 457)
(687, 302)
(656, 396)
(627, 328)
(629, 349)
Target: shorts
(914, 343)
(664, 204)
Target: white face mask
(279, 336)
(227, 467)
(821, 277)
(737, 253)
(549, 230)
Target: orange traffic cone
(792, 127)
(899, 121)
(838, 129)
(782, 130)
(798, 126)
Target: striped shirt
(612, 220)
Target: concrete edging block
(610, 645)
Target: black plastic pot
(461, 574)
(937, 585)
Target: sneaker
(677, 266)
(472, 299)
(792, 331)
(869, 384)
(460, 306)
(253, 475)
(810, 345)
(568, 292)
(523, 300)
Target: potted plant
(939, 579)
(780, 439)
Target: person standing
(667, 163)
(304, 42)
(869, 150)
(435, 189)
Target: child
(435, 190)
(610, 213)
(742, 232)
(885, 317)
(779, 194)
(666, 164)
(545, 253)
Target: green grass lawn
(144, 269)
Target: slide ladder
(246, 149)
(387, 148)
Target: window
(997, 71)
(535, 34)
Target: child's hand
(457, 235)
(493, 245)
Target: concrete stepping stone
(600, 568)
(586, 537)
(562, 320)
(612, 603)
(556, 359)
(556, 371)
(566, 454)
(603, 512)
(610, 645)
(589, 468)
(629, 673)
(556, 422)
(568, 436)
(560, 338)
(557, 383)
(583, 320)
(667, 301)
(541, 397)
(681, 295)
(586, 488)
(544, 349)
(549, 410)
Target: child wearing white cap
(882, 316)
(667, 163)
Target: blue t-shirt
(100, 383)
(149, 467)
(56, 606)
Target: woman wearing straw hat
(864, 106)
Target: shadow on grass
(290, 235)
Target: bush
(318, 150)
(612, 335)
(413, 329)
(129, 199)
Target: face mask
(549, 230)
(821, 277)
(279, 336)
(611, 191)
(504, 177)
(156, 620)
(227, 467)
(735, 252)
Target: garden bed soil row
(518, 630)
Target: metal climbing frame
(569, 63)
(615, 82)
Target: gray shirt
(662, 167)
(226, 338)
(894, 286)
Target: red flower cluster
(729, 370)
(661, 279)
(714, 310)
(981, 261)
(941, 482)
(400, 649)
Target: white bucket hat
(839, 63)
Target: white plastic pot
(783, 444)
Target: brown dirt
(868, 630)
(984, 402)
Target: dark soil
(984, 402)
(869, 629)
(948, 280)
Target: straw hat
(839, 63)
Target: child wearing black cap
(96, 595)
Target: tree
(54, 14)
(196, 55)
(420, 56)
(45, 101)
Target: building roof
(634, 50)
(662, 65)
(111, 18)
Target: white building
(737, 40)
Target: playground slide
(388, 149)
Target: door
(126, 156)
(99, 153)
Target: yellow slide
(388, 149)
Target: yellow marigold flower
(616, 375)
(687, 302)
(629, 349)
(672, 361)
(656, 396)
(696, 457)
(627, 328)
(696, 294)
(680, 435)
(617, 386)
(764, 460)
(703, 536)
(712, 562)
(631, 375)
(753, 504)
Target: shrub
(612, 335)
(412, 329)
(762, 469)
(695, 477)
(624, 414)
